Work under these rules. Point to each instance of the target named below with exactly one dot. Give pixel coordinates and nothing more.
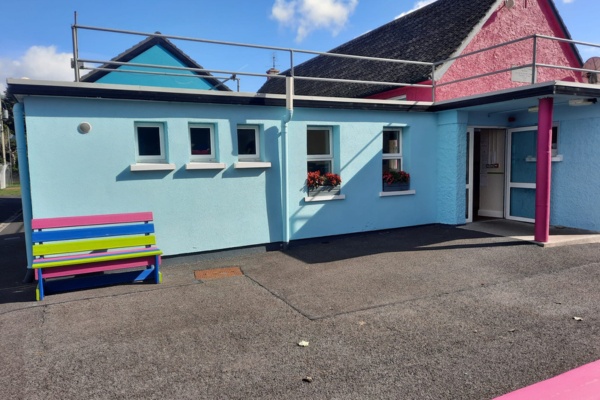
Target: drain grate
(217, 273)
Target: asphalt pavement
(432, 312)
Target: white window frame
(553, 144)
(321, 157)
(394, 156)
(162, 157)
(212, 157)
(257, 155)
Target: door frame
(470, 159)
(470, 186)
(509, 185)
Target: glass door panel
(520, 202)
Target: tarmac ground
(431, 312)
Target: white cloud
(306, 16)
(38, 62)
(568, 1)
(419, 4)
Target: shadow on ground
(413, 239)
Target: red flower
(315, 179)
(390, 177)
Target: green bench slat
(91, 245)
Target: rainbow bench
(94, 244)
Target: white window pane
(392, 165)
(391, 142)
(322, 166)
(148, 141)
(318, 142)
(246, 141)
(200, 139)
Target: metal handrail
(434, 65)
(484, 75)
(484, 49)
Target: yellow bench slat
(45, 249)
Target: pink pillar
(543, 170)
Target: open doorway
(486, 175)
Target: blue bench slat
(89, 233)
(107, 279)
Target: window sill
(151, 167)
(309, 199)
(398, 193)
(251, 164)
(557, 158)
(204, 165)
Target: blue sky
(36, 36)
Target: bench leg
(157, 274)
(39, 291)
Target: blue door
(520, 188)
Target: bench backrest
(52, 236)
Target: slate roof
(146, 44)
(432, 33)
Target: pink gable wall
(526, 18)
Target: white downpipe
(289, 102)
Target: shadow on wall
(363, 208)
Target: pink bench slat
(65, 222)
(96, 267)
(41, 261)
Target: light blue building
(221, 169)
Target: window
(319, 150)
(392, 150)
(150, 142)
(554, 141)
(248, 142)
(202, 142)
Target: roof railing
(78, 61)
(435, 83)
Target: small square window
(150, 146)
(318, 150)
(248, 142)
(202, 143)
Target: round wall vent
(84, 127)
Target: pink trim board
(581, 383)
(65, 222)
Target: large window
(248, 143)
(202, 142)
(392, 150)
(319, 150)
(150, 142)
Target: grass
(11, 191)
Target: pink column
(543, 170)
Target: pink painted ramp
(582, 383)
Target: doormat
(217, 273)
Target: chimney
(272, 71)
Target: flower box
(396, 186)
(396, 181)
(325, 191)
(328, 184)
